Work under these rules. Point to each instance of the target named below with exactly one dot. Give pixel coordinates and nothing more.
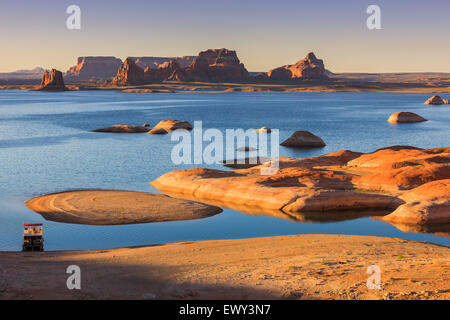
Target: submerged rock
(158, 131)
(303, 139)
(405, 117)
(123, 128)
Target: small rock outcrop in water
(113, 207)
(264, 130)
(52, 81)
(129, 74)
(170, 125)
(436, 100)
(309, 68)
(303, 139)
(405, 117)
(124, 128)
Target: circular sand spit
(114, 207)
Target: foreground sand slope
(287, 267)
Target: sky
(414, 35)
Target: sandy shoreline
(285, 267)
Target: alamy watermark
(73, 21)
(74, 280)
(374, 280)
(373, 22)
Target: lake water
(46, 146)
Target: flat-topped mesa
(309, 68)
(156, 62)
(129, 74)
(52, 81)
(93, 68)
(216, 65)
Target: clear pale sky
(415, 35)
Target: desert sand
(286, 267)
(112, 207)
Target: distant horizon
(265, 34)
(253, 71)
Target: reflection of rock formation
(412, 181)
(310, 68)
(307, 217)
(52, 81)
(438, 230)
(93, 68)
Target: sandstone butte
(411, 184)
(436, 100)
(52, 81)
(128, 74)
(309, 68)
(216, 65)
(405, 117)
(213, 65)
(124, 128)
(113, 207)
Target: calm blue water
(46, 146)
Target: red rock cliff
(216, 65)
(52, 81)
(93, 68)
(129, 74)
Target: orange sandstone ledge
(286, 267)
(113, 207)
(412, 183)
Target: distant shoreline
(171, 87)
